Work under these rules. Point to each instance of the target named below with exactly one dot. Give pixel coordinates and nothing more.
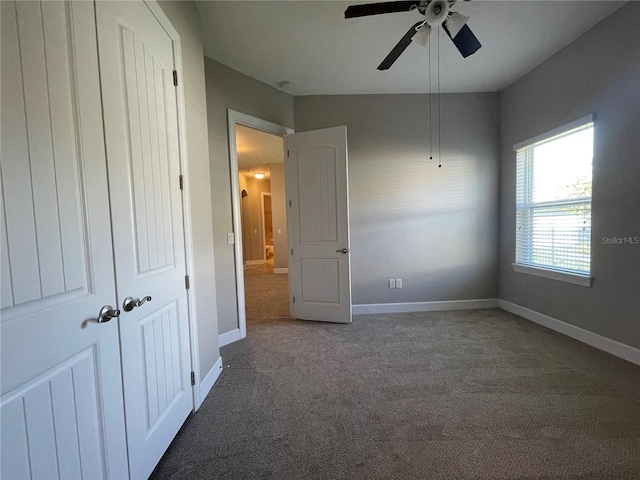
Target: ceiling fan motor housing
(436, 12)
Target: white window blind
(553, 200)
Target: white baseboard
(254, 262)
(280, 270)
(424, 306)
(627, 352)
(229, 337)
(207, 383)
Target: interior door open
(141, 129)
(318, 225)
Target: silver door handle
(107, 313)
(130, 303)
(343, 250)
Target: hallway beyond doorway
(266, 293)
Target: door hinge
(294, 299)
(289, 202)
(175, 78)
(287, 153)
(292, 252)
(186, 282)
(193, 378)
(181, 182)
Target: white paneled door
(61, 404)
(81, 230)
(318, 222)
(140, 115)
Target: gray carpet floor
(478, 394)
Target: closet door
(140, 114)
(61, 401)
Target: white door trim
(162, 18)
(238, 118)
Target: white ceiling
(256, 150)
(311, 44)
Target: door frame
(238, 118)
(165, 22)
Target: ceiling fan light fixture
(422, 35)
(455, 22)
(436, 12)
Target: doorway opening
(259, 215)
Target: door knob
(130, 303)
(342, 250)
(107, 313)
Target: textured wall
(186, 20)
(228, 89)
(436, 228)
(598, 73)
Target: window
(553, 203)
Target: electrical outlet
(398, 283)
(230, 238)
(392, 283)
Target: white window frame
(584, 280)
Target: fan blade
(379, 8)
(465, 41)
(400, 47)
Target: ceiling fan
(436, 12)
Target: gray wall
(245, 218)
(186, 20)
(436, 228)
(279, 206)
(228, 89)
(599, 73)
(252, 219)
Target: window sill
(582, 280)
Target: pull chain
(430, 113)
(439, 110)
